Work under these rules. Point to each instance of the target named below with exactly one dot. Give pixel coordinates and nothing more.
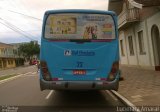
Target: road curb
(125, 101)
(12, 78)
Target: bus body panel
(95, 58)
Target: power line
(23, 31)
(10, 27)
(17, 28)
(23, 14)
(16, 31)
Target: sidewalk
(18, 70)
(140, 86)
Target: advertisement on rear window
(62, 25)
(80, 26)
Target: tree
(28, 50)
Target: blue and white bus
(79, 50)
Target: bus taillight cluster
(45, 72)
(114, 70)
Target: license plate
(79, 72)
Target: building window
(122, 49)
(130, 42)
(141, 43)
(2, 50)
(9, 62)
(0, 64)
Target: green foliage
(29, 49)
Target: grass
(7, 76)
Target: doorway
(156, 46)
(4, 63)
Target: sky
(21, 20)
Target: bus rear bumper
(79, 85)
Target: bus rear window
(79, 26)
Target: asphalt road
(24, 93)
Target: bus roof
(79, 11)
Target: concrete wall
(143, 59)
(147, 59)
(132, 59)
(154, 20)
(123, 59)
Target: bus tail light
(114, 70)
(45, 72)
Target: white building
(139, 32)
